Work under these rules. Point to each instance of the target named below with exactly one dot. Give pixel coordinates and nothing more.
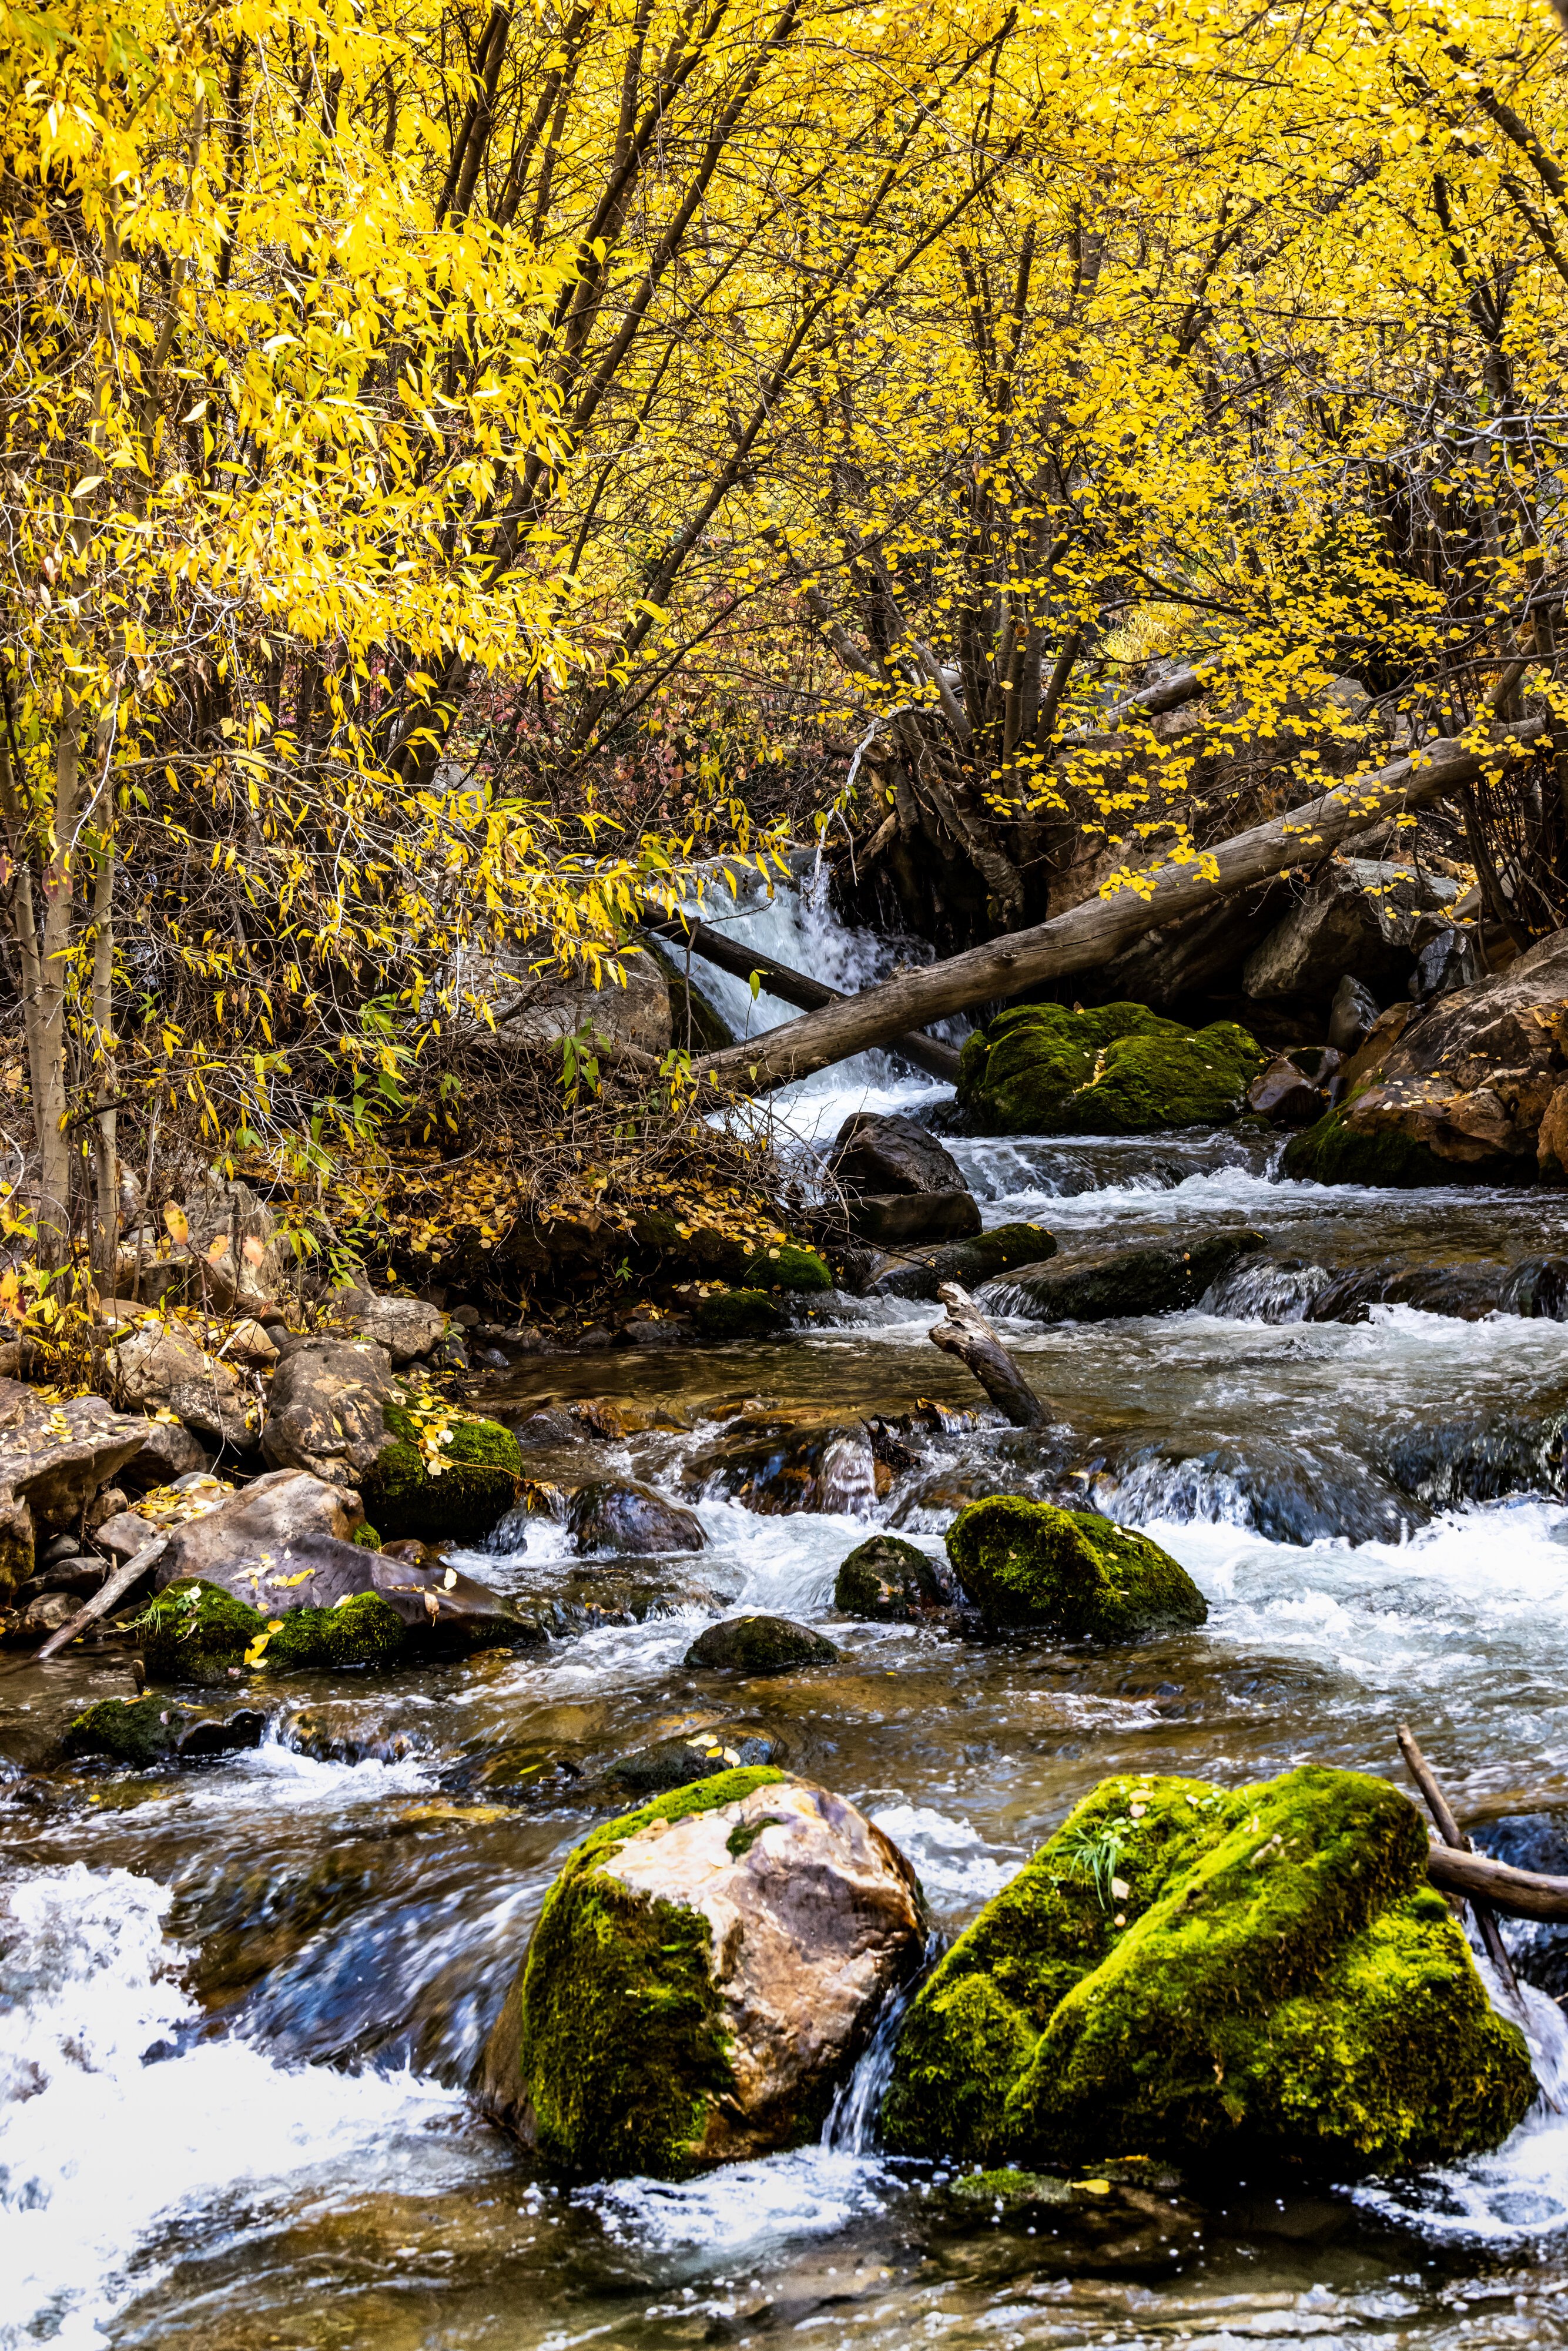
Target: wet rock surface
(758, 1645)
(757, 1922)
(1094, 1285)
(891, 1582)
(631, 1521)
(1118, 1068)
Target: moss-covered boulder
(788, 1266)
(1256, 1973)
(1069, 1571)
(1338, 1151)
(702, 1975)
(139, 1731)
(889, 1581)
(199, 1633)
(478, 1482)
(725, 1314)
(1118, 1068)
(759, 1645)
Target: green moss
(480, 1482)
(366, 1536)
(196, 1632)
(199, 1633)
(139, 1731)
(972, 2029)
(1071, 1572)
(1117, 1068)
(787, 1267)
(613, 2032)
(364, 1630)
(1262, 1970)
(737, 1314)
(1334, 1152)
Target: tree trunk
(1092, 933)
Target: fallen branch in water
(964, 1332)
(104, 1598)
(1518, 1893)
(1454, 1839)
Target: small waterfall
(847, 1479)
(850, 2125)
(1261, 1290)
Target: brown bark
(1089, 935)
(964, 1332)
(1454, 1837)
(1519, 1892)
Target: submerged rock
(702, 1977)
(1099, 1285)
(677, 1762)
(146, 1731)
(918, 1271)
(1256, 1973)
(889, 1581)
(1118, 1068)
(1129, 2213)
(774, 1465)
(631, 1521)
(759, 1645)
(1069, 1571)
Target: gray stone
(1351, 1014)
(887, 1217)
(875, 1154)
(249, 1532)
(324, 1412)
(1099, 1285)
(1356, 916)
(759, 1645)
(1450, 959)
(407, 1328)
(631, 1521)
(163, 1364)
(53, 1460)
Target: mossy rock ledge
(478, 1483)
(1118, 1068)
(703, 1973)
(1069, 1571)
(200, 1633)
(1257, 1975)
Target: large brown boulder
(324, 1410)
(1358, 916)
(164, 1365)
(702, 1977)
(255, 1527)
(1461, 1090)
(53, 1460)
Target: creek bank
(703, 1973)
(1256, 1974)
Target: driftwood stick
(1518, 1893)
(104, 1598)
(1456, 1840)
(964, 1332)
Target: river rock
(918, 1271)
(251, 1530)
(632, 1522)
(168, 1451)
(786, 1265)
(758, 1645)
(532, 1010)
(1285, 1096)
(1098, 1285)
(1351, 1014)
(1459, 1093)
(725, 1314)
(677, 1762)
(324, 1410)
(1117, 1068)
(871, 1153)
(248, 1274)
(164, 1365)
(445, 1476)
(1450, 959)
(702, 1977)
(1069, 1571)
(53, 1460)
(146, 1731)
(1131, 2215)
(889, 1217)
(1259, 1974)
(407, 1328)
(1356, 916)
(889, 1581)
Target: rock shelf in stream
(703, 1973)
(1100, 1285)
(1251, 1974)
(1071, 1573)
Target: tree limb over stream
(1089, 935)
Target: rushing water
(239, 2004)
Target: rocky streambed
(246, 1991)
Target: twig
(963, 1332)
(104, 1598)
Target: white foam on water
(1479, 1595)
(97, 2147)
(746, 2209)
(953, 1862)
(1520, 2192)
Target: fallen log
(927, 1053)
(964, 1332)
(104, 1598)
(1092, 933)
(1456, 1840)
(1518, 1893)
